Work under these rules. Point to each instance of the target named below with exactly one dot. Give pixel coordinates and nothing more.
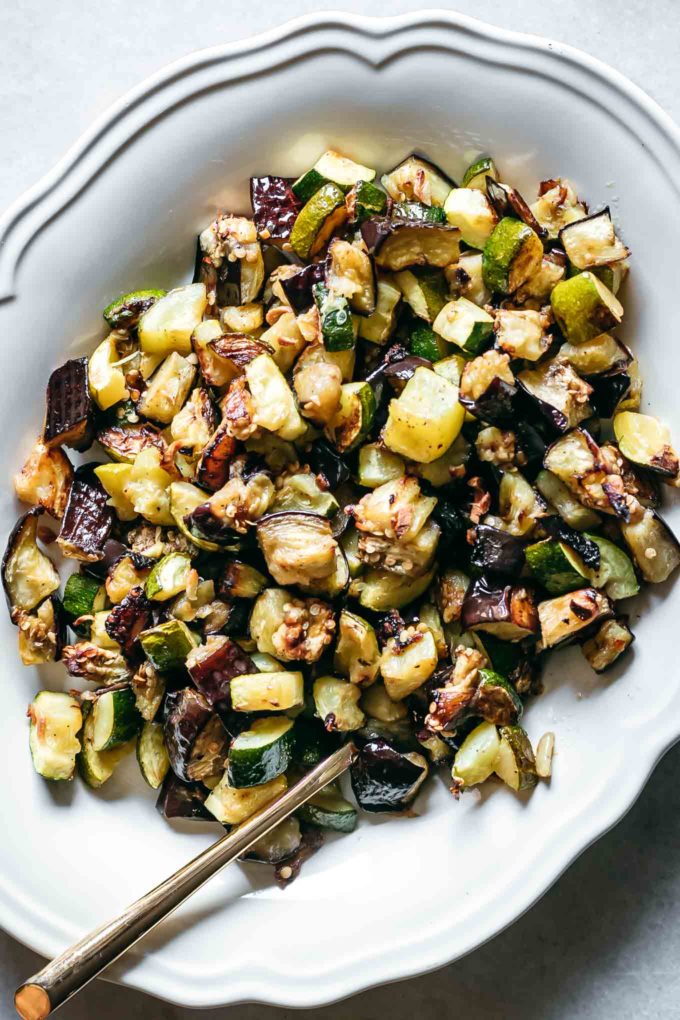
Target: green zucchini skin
(115, 719)
(253, 762)
(328, 810)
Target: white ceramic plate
(120, 212)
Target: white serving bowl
(121, 211)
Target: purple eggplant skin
(183, 800)
(383, 778)
(88, 519)
(213, 467)
(608, 391)
(113, 551)
(376, 230)
(127, 620)
(535, 407)
(188, 717)
(69, 419)
(203, 523)
(497, 552)
(325, 460)
(394, 354)
(508, 202)
(398, 373)
(214, 670)
(275, 207)
(488, 602)
(428, 163)
(496, 405)
(299, 289)
(583, 546)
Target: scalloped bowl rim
(19, 226)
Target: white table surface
(605, 942)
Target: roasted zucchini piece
(463, 323)
(555, 566)
(407, 661)
(470, 210)
(152, 755)
(592, 241)
(376, 465)
(55, 722)
(476, 174)
(267, 692)
(298, 548)
(263, 752)
(365, 200)
(425, 419)
(323, 213)
(147, 487)
(515, 764)
(399, 244)
(97, 767)
(476, 757)
(385, 779)
(568, 507)
(562, 618)
(512, 254)
(329, 810)
(168, 577)
(466, 279)
(426, 292)
(166, 327)
(105, 376)
(646, 442)
(353, 419)
(356, 654)
(273, 401)
(379, 326)
(417, 179)
(337, 326)
(168, 389)
(115, 719)
(45, 479)
(69, 415)
(607, 644)
(331, 166)
(381, 590)
(231, 806)
(167, 645)
(28, 575)
(584, 308)
(604, 353)
(337, 704)
(508, 612)
(126, 311)
(216, 371)
(240, 581)
(557, 205)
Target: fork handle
(68, 973)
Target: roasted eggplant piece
(128, 619)
(238, 348)
(608, 390)
(299, 288)
(298, 548)
(592, 241)
(183, 800)
(213, 665)
(558, 393)
(87, 520)
(594, 474)
(398, 244)
(487, 388)
(564, 617)
(230, 245)
(70, 414)
(45, 479)
(507, 201)
(195, 738)
(507, 612)
(497, 552)
(212, 471)
(417, 179)
(582, 544)
(350, 274)
(42, 634)
(28, 575)
(325, 460)
(124, 442)
(275, 207)
(607, 644)
(384, 779)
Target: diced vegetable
(261, 753)
(267, 692)
(425, 419)
(476, 757)
(515, 763)
(607, 644)
(68, 419)
(168, 324)
(56, 720)
(28, 575)
(512, 254)
(463, 323)
(384, 779)
(356, 654)
(152, 756)
(562, 618)
(584, 308)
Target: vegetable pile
(361, 475)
